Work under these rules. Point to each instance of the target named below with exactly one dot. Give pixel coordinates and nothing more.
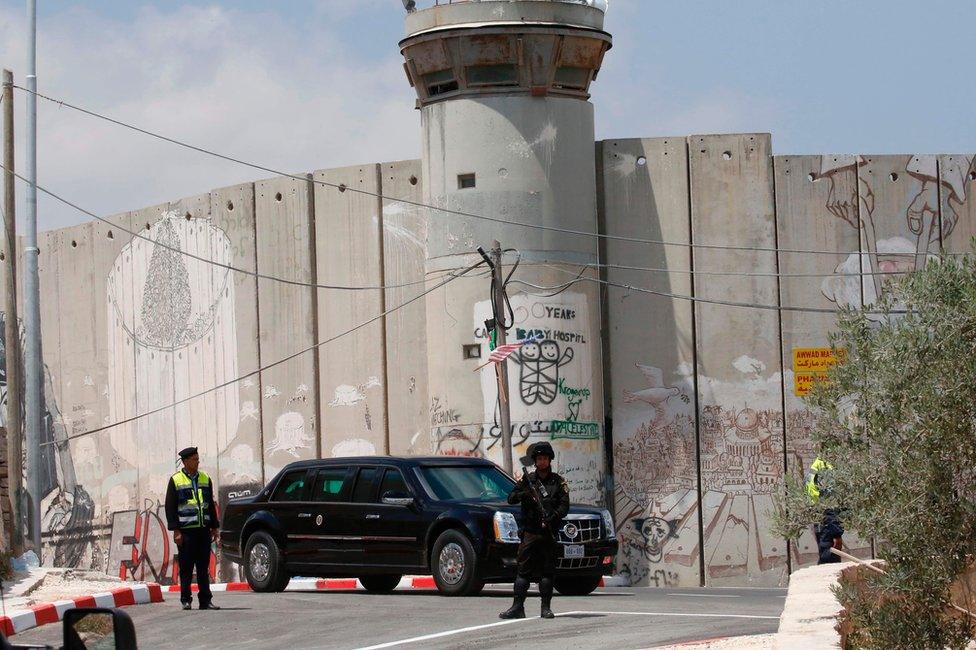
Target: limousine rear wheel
(264, 567)
(380, 584)
(455, 565)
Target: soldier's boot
(545, 590)
(517, 610)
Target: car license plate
(573, 550)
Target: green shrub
(898, 424)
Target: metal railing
(599, 4)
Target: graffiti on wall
(924, 224)
(67, 507)
(656, 476)
(554, 377)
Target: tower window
(465, 181)
(572, 78)
(440, 82)
(492, 75)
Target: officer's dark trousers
(536, 561)
(195, 553)
(830, 528)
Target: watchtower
(503, 90)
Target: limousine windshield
(467, 483)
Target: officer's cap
(542, 449)
(186, 453)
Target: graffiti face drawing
(656, 532)
(539, 370)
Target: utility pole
(11, 333)
(501, 369)
(32, 308)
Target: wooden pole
(504, 415)
(11, 333)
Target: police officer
(537, 550)
(192, 516)
(830, 531)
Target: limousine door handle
(372, 516)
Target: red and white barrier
(344, 584)
(318, 584)
(53, 612)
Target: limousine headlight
(506, 528)
(608, 525)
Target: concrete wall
(650, 343)
(701, 399)
(752, 424)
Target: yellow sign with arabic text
(810, 365)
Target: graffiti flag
(502, 352)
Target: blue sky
(309, 84)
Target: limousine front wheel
(455, 565)
(264, 567)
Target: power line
(206, 260)
(419, 204)
(758, 274)
(454, 276)
(695, 299)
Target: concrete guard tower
(503, 90)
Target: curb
(345, 584)
(53, 612)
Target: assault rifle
(536, 497)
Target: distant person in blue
(830, 532)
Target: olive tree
(897, 421)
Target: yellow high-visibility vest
(813, 489)
(193, 505)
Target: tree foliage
(897, 424)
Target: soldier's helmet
(542, 449)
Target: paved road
(617, 618)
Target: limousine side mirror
(392, 498)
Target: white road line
(438, 635)
(706, 595)
(474, 628)
(674, 614)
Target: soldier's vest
(193, 508)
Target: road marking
(685, 615)
(438, 635)
(707, 595)
(474, 628)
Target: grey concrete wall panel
(75, 408)
(352, 375)
(533, 162)
(161, 286)
(286, 318)
(199, 362)
(404, 256)
(899, 206)
(739, 370)
(239, 464)
(49, 277)
(651, 363)
(816, 209)
(957, 175)
(240, 456)
(117, 490)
